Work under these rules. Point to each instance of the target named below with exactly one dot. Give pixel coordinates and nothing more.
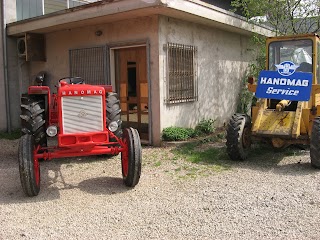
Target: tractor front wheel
(29, 166)
(315, 143)
(131, 159)
(113, 111)
(239, 137)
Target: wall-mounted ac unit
(21, 47)
(32, 47)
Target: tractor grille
(82, 114)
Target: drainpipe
(5, 65)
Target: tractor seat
(304, 67)
(72, 80)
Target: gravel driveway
(270, 196)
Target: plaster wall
(59, 43)
(222, 60)
(18, 71)
(11, 86)
(11, 10)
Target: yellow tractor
(288, 106)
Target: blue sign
(285, 84)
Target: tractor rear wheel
(131, 159)
(29, 167)
(33, 119)
(315, 143)
(239, 137)
(113, 111)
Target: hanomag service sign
(285, 84)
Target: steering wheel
(72, 80)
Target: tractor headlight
(113, 126)
(52, 131)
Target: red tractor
(86, 121)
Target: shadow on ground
(53, 180)
(292, 160)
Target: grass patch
(11, 136)
(157, 164)
(198, 153)
(208, 155)
(293, 151)
(267, 149)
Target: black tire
(315, 143)
(131, 160)
(33, 119)
(29, 167)
(113, 112)
(239, 137)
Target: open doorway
(132, 86)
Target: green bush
(177, 133)
(204, 127)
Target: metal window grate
(182, 85)
(90, 64)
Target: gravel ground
(271, 196)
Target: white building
(173, 62)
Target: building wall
(7, 15)
(18, 82)
(11, 11)
(222, 61)
(8, 86)
(3, 116)
(59, 43)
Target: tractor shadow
(103, 186)
(53, 178)
(293, 160)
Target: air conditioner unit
(21, 47)
(31, 47)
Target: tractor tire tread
(113, 111)
(26, 168)
(315, 143)
(134, 157)
(33, 119)
(235, 129)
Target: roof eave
(111, 11)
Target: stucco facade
(222, 42)
(7, 15)
(126, 33)
(222, 60)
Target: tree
(284, 16)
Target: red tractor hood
(66, 89)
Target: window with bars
(90, 64)
(182, 81)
